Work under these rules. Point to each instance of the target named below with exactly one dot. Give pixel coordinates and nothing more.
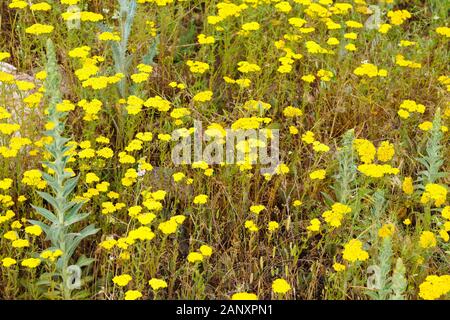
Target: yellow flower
(179, 219)
(434, 192)
(314, 225)
(313, 47)
(194, 257)
(272, 226)
(337, 213)
(250, 26)
(386, 230)
(297, 22)
(206, 251)
(31, 263)
(427, 240)
(5, 184)
(39, 29)
(178, 176)
(407, 222)
(51, 255)
(11, 235)
(350, 47)
(25, 85)
(446, 212)
(445, 31)
(377, 170)
(20, 243)
(146, 218)
(280, 286)
(18, 4)
(309, 78)
(244, 296)
(109, 36)
(407, 186)
(197, 66)
(138, 78)
(354, 24)
(353, 251)
(16, 225)
(397, 17)
(444, 235)
(317, 175)
(426, 126)
(122, 280)
(132, 295)
(297, 203)
(257, 208)
(34, 230)
(201, 199)
(370, 70)
(202, 39)
(434, 287)
(134, 211)
(338, 267)
(247, 67)
(293, 130)
(65, 106)
(203, 96)
(41, 75)
(8, 262)
(385, 151)
(108, 244)
(410, 106)
(251, 226)
(158, 103)
(320, 147)
(283, 6)
(142, 233)
(291, 112)
(91, 178)
(157, 284)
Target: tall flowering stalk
(59, 223)
(433, 159)
(345, 179)
(122, 61)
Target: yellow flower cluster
(197, 66)
(281, 286)
(377, 170)
(434, 192)
(85, 16)
(445, 31)
(409, 106)
(402, 62)
(434, 287)
(365, 149)
(203, 96)
(34, 178)
(370, 70)
(398, 17)
(427, 240)
(39, 29)
(387, 230)
(247, 67)
(367, 152)
(337, 213)
(353, 251)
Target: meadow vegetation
(93, 207)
